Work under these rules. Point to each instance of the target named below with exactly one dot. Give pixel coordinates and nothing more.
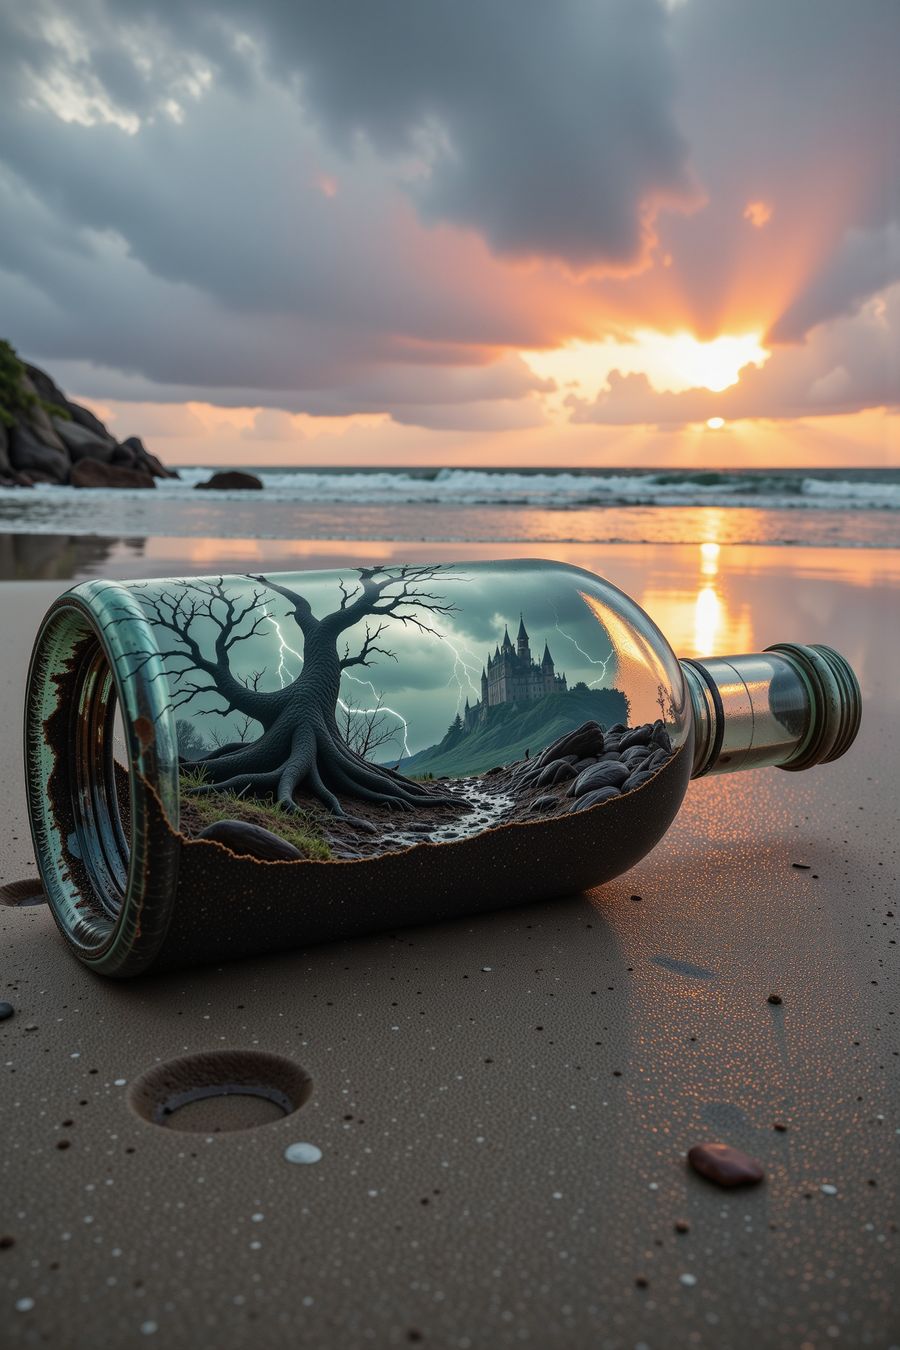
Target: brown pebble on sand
(641, 1281)
(780, 1126)
(682, 1226)
(775, 999)
(7, 1241)
(724, 1165)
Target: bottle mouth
(836, 701)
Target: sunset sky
(578, 232)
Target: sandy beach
(503, 1105)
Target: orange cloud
(758, 214)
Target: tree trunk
(302, 747)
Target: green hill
(512, 728)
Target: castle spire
(547, 659)
(507, 641)
(523, 651)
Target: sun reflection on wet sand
(702, 618)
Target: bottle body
(225, 765)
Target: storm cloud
(373, 208)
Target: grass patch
(300, 828)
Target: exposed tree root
(318, 762)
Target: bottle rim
(111, 890)
(836, 702)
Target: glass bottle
(228, 765)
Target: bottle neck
(791, 706)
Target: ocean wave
(451, 491)
(565, 490)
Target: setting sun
(671, 362)
(712, 365)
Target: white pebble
(24, 1304)
(149, 1328)
(302, 1153)
(688, 1280)
(487, 969)
(119, 1082)
(828, 1189)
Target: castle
(511, 676)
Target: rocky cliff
(45, 438)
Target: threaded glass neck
(791, 706)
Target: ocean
(847, 508)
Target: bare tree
(366, 730)
(191, 744)
(665, 704)
(300, 744)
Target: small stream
(489, 808)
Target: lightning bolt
(284, 674)
(594, 661)
(283, 647)
(383, 708)
(461, 672)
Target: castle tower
(522, 649)
(512, 675)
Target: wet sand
(503, 1105)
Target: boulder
(149, 462)
(32, 454)
(555, 772)
(83, 444)
(230, 479)
(124, 455)
(604, 794)
(44, 387)
(241, 837)
(660, 736)
(91, 473)
(639, 736)
(585, 740)
(609, 774)
(85, 418)
(38, 418)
